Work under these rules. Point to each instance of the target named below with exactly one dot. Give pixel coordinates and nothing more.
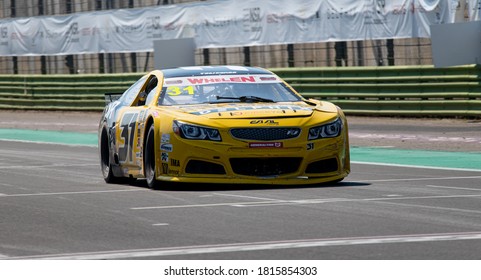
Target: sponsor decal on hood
(227, 109)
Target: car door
(130, 127)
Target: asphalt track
(396, 204)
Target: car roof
(213, 70)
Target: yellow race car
(221, 124)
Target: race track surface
(55, 204)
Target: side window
(131, 93)
(151, 88)
(151, 94)
(148, 92)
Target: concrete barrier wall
(397, 90)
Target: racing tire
(106, 165)
(149, 160)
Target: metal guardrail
(394, 91)
(61, 92)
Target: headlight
(329, 130)
(195, 132)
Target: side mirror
(142, 98)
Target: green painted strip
(461, 160)
(44, 136)
(439, 159)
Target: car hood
(255, 110)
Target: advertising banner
(474, 7)
(223, 23)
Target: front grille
(265, 166)
(204, 167)
(323, 166)
(266, 134)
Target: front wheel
(149, 160)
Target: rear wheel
(149, 160)
(105, 164)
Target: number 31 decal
(127, 131)
(175, 90)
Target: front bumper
(295, 163)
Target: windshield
(224, 89)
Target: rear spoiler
(111, 97)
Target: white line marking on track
(453, 188)
(419, 197)
(301, 202)
(247, 196)
(454, 139)
(50, 143)
(314, 201)
(416, 166)
(199, 205)
(421, 179)
(431, 207)
(295, 202)
(257, 246)
(50, 124)
(66, 193)
(161, 224)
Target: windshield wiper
(246, 99)
(309, 102)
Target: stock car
(221, 124)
